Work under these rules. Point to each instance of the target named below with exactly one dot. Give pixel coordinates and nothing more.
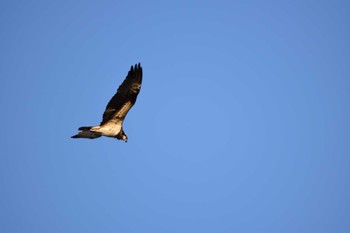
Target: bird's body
(117, 108)
(110, 129)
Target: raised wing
(126, 95)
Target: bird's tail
(85, 128)
(86, 133)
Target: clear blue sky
(242, 123)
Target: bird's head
(122, 136)
(125, 137)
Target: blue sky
(242, 123)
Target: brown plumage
(117, 108)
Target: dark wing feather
(126, 95)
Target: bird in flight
(117, 108)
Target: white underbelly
(109, 130)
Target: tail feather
(86, 133)
(85, 128)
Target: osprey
(117, 108)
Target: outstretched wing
(126, 95)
